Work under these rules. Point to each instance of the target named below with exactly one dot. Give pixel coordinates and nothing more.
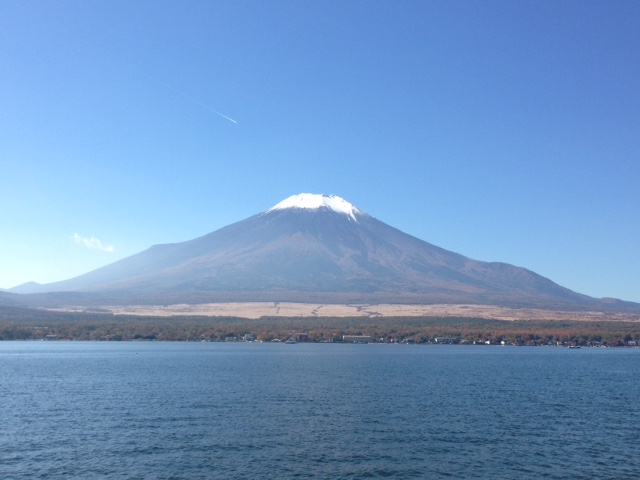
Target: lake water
(247, 411)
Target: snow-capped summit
(312, 201)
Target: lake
(129, 410)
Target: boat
(291, 341)
(574, 346)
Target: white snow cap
(313, 201)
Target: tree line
(26, 324)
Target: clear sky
(504, 131)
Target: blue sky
(504, 131)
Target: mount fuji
(313, 248)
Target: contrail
(188, 97)
(199, 103)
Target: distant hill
(29, 287)
(312, 248)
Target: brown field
(254, 310)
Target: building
(356, 338)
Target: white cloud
(92, 242)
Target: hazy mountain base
(255, 310)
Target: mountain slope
(321, 247)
